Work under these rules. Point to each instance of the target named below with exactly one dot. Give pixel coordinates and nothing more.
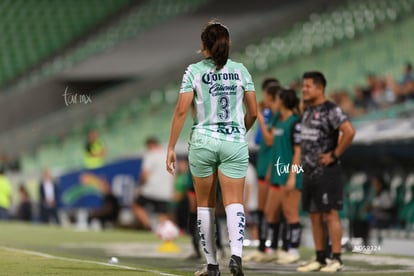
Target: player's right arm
(183, 105)
(185, 100)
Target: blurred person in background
(95, 151)
(361, 218)
(371, 91)
(285, 175)
(109, 210)
(404, 89)
(263, 161)
(360, 101)
(250, 201)
(180, 199)
(192, 219)
(266, 110)
(218, 87)
(381, 207)
(342, 99)
(296, 84)
(322, 187)
(408, 75)
(24, 209)
(382, 94)
(48, 198)
(156, 186)
(387, 96)
(5, 194)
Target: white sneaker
(310, 266)
(255, 256)
(270, 256)
(287, 258)
(332, 266)
(201, 272)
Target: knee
(291, 216)
(209, 203)
(271, 216)
(331, 216)
(268, 216)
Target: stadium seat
(139, 18)
(307, 44)
(33, 30)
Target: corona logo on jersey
(220, 89)
(209, 77)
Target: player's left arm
(347, 135)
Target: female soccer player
(284, 194)
(218, 87)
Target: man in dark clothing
(322, 188)
(48, 198)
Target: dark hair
(270, 81)
(151, 141)
(273, 90)
(289, 99)
(22, 188)
(409, 66)
(317, 77)
(216, 39)
(381, 181)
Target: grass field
(27, 249)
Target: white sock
(235, 225)
(207, 230)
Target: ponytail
(216, 39)
(290, 99)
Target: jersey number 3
(224, 112)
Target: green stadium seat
(34, 30)
(306, 45)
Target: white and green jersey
(218, 98)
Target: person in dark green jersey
(285, 172)
(270, 87)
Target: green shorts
(207, 154)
